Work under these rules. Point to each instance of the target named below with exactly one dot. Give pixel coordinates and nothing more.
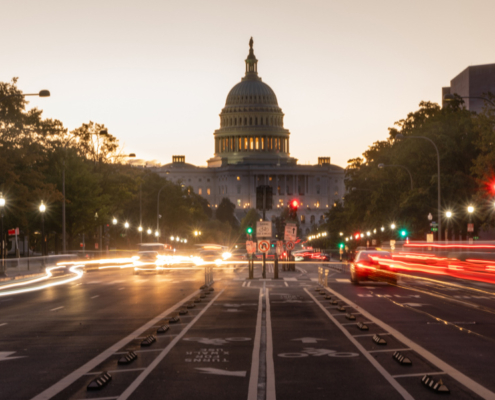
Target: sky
(157, 73)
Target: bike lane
(315, 359)
(214, 358)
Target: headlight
(226, 255)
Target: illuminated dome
(251, 123)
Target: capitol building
(252, 148)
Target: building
(252, 148)
(475, 82)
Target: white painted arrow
(4, 355)
(215, 371)
(308, 340)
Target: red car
(373, 264)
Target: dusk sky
(157, 73)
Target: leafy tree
(225, 212)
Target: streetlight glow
(2, 200)
(42, 207)
(382, 228)
(157, 233)
(126, 225)
(172, 238)
(448, 214)
(114, 221)
(470, 209)
(140, 229)
(148, 231)
(392, 226)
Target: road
(259, 339)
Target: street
(249, 339)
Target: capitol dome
(251, 123)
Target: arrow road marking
(215, 371)
(4, 355)
(308, 340)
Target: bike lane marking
(440, 364)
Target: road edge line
(68, 380)
(440, 364)
(271, 393)
(255, 359)
(397, 386)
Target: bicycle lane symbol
(310, 351)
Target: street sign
(280, 247)
(250, 246)
(434, 229)
(263, 246)
(264, 229)
(13, 232)
(429, 237)
(470, 228)
(290, 245)
(290, 232)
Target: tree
(225, 212)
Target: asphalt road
(260, 339)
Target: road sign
(250, 247)
(263, 229)
(263, 246)
(290, 245)
(429, 237)
(280, 247)
(13, 232)
(290, 232)
(470, 228)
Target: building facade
(252, 148)
(475, 82)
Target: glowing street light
(448, 214)
(114, 221)
(172, 238)
(43, 242)
(382, 228)
(392, 226)
(470, 209)
(2, 206)
(149, 231)
(157, 233)
(126, 225)
(140, 229)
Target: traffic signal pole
(264, 219)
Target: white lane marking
(72, 377)
(249, 284)
(419, 374)
(286, 284)
(388, 350)
(4, 355)
(314, 279)
(134, 385)
(5, 323)
(142, 351)
(352, 323)
(255, 359)
(442, 365)
(343, 280)
(114, 282)
(270, 367)
(290, 279)
(403, 392)
(57, 308)
(115, 371)
(372, 334)
(94, 297)
(308, 340)
(121, 288)
(244, 284)
(216, 371)
(1, 301)
(302, 270)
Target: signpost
(250, 246)
(290, 245)
(264, 229)
(280, 247)
(263, 246)
(290, 232)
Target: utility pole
(264, 219)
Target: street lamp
(114, 221)
(41, 93)
(470, 210)
(381, 166)
(149, 231)
(2, 206)
(43, 244)
(392, 226)
(401, 136)
(126, 225)
(448, 214)
(451, 97)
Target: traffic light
(249, 230)
(293, 206)
(403, 233)
(341, 245)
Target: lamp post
(448, 215)
(401, 136)
(399, 166)
(41, 93)
(470, 210)
(158, 216)
(2, 206)
(42, 209)
(451, 97)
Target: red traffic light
(294, 204)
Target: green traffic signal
(341, 245)
(403, 233)
(249, 230)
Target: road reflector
(401, 358)
(341, 308)
(317, 289)
(197, 300)
(350, 316)
(148, 341)
(183, 311)
(362, 326)
(202, 295)
(190, 304)
(379, 340)
(163, 329)
(211, 289)
(128, 358)
(99, 381)
(439, 386)
(173, 318)
(334, 302)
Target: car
(310, 255)
(211, 256)
(372, 264)
(148, 261)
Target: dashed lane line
(255, 360)
(121, 288)
(388, 350)
(94, 297)
(474, 386)
(75, 375)
(5, 323)
(134, 385)
(270, 366)
(57, 308)
(397, 386)
(419, 374)
(116, 371)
